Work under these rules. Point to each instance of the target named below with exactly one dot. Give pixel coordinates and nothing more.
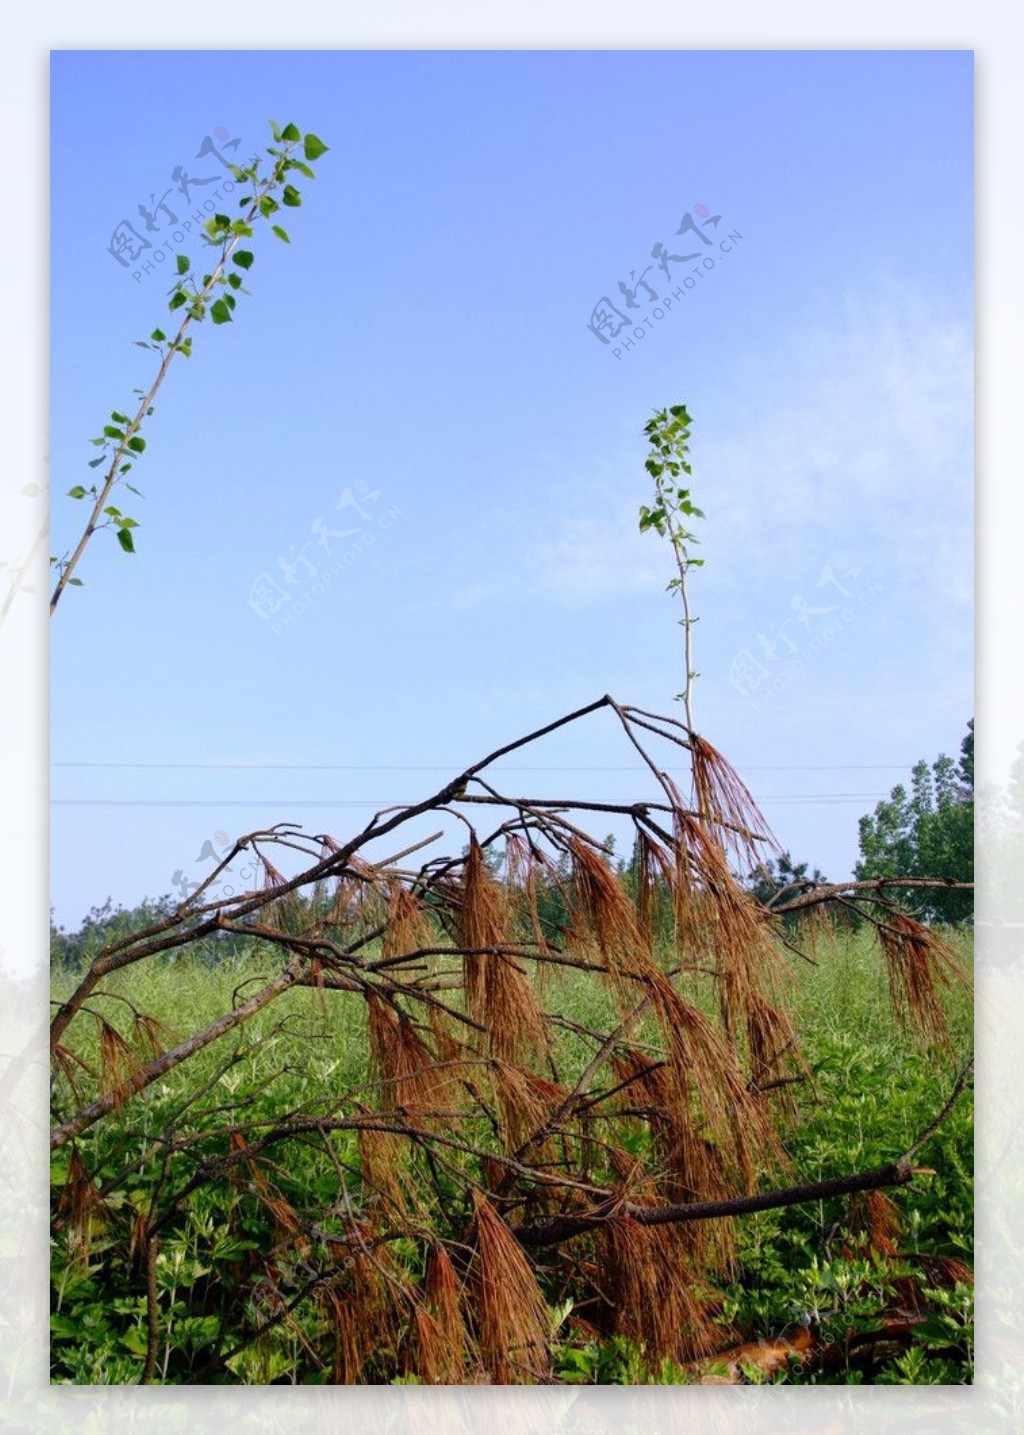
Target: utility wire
(392, 767)
(811, 798)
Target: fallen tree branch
(897, 1173)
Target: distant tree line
(927, 831)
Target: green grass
(872, 1095)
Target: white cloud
(851, 435)
(865, 439)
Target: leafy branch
(214, 295)
(667, 434)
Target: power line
(454, 767)
(810, 799)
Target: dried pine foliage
(376, 1299)
(357, 900)
(708, 1086)
(450, 1345)
(499, 995)
(384, 1158)
(717, 922)
(649, 1277)
(350, 1350)
(726, 806)
(524, 871)
(408, 926)
(150, 1036)
(878, 1217)
(919, 962)
(602, 912)
(773, 1050)
(119, 1064)
(81, 1211)
(65, 1060)
(401, 1063)
(946, 1271)
(526, 1103)
(509, 1311)
(689, 1167)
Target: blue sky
(425, 338)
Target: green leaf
(132, 489)
(137, 444)
(312, 147)
(280, 233)
(182, 263)
(111, 432)
(114, 512)
(291, 197)
(235, 281)
(177, 299)
(275, 130)
(240, 227)
(75, 582)
(124, 537)
(302, 168)
(78, 491)
(95, 462)
(243, 258)
(290, 134)
(159, 335)
(119, 418)
(135, 1341)
(220, 313)
(268, 205)
(127, 523)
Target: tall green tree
(927, 831)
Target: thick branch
(896, 1173)
(170, 1059)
